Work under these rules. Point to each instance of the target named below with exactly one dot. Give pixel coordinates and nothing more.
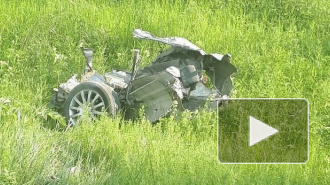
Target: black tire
(95, 96)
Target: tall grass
(281, 49)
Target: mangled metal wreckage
(173, 79)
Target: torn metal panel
(173, 41)
(88, 53)
(65, 88)
(220, 72)
(155, 98)
(178, 57)
(189, 75)
(117, 80)
(158, 67)
(163, 77)
(177, 86)
(173, 71)
(199, 96)
(195, 103)
(217, 66)
(201, 90)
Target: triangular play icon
(259, 131)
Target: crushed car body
(175, 79)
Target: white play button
(259, 131)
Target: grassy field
(281, 49)
(290, 145)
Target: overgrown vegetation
(281, 49)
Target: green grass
(281, 49)
(288, 116)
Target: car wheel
(92, 99)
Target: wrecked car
(174, 80)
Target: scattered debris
(73, 170)
(4, 101)
(175, 75)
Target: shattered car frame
(173, 79)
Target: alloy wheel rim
(86, 100)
